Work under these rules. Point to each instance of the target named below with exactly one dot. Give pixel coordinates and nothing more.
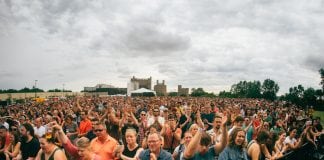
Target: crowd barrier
(306, 152)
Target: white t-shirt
(40, 131)
(151, 121)
(291, 141)
(212, 133)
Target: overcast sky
(196, 43)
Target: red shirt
(73, 151)
(85, 126)
(5, 140)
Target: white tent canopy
(143, 90)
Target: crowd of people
(155, 128)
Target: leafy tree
(309, 97)
(254, 89)
(321, 71)
(319, 93)
(239, 89)
(245, 89)
(36, 90)
(55, 90)
(199, 92)
(270, 89)
(11, 91)
(173, 94)
(295, 95)
(224, 94)
(25, 90)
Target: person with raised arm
(203, 151)
(80, 151)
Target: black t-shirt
(112, 130)
(29, 149)
(129, 153)
(91, 135)
(210, 118)
(319, 127)
(183, 118)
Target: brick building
(160, 88)
(183, 91)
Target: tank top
(52, 155)
(261, 156)
(129, 153)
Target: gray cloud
(210, 44)
(315, 62)
(152, 42)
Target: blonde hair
(131, 130)
(83, 142)
(193, 126)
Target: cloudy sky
(196, 43)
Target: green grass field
(319, 114)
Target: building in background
(160, 88)
(137, 83)
(104, 90)
(143, 83)
(183, 91)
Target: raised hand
(224, 120)
(152, 156)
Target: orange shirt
(104, 150)
(85, 126)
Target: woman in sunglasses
(80, 151)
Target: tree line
(268, 90)
(30, 90)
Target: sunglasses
(98, 130)
(143, 114)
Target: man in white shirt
(156, 119)
(39, 128)
(4, 123)
(216, 132)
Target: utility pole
(63, 91)
(35, 88)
